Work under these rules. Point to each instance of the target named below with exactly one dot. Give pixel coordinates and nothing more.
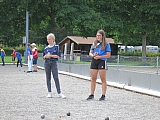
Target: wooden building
(80, 45)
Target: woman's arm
(108, 55)
(91, 54)
(54, 56)
(50, 56)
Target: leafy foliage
(127, 21)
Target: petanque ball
(68, 114)
(107, 118)
(42, 116)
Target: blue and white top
(99, 51)
(53, 50)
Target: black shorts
(98, 64)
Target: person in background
(19, 58)
(99, 51)
(51, 54)
(13, 55)
(35, 56)
(2, 53)
(30, 58)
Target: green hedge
(21, 49)
(139, 53)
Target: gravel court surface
(23, 97)
(149, 70)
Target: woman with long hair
(99, 51)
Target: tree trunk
(52, 22)
(126, 50)
(143, 47)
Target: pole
(157, 66)
(26, 35)
(26, 27)
(118, 62)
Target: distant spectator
(19, 58)
(35, 56)
(30, 58)
(13, 55)
(2, 53)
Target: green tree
(75, 15)
(127, 21)
(134, 20)
(12, 20)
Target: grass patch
(8, 59)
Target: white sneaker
(61, 95)
(49, 95)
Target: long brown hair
(103, 47)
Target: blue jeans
(2, 57)
(51, 66)
(19, 61)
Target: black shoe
(102, 98)
(34, 70)
(29, 71)
(90, 97)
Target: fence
(134, 63)
(127, 71)
(120, 62)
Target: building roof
(83, 40)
